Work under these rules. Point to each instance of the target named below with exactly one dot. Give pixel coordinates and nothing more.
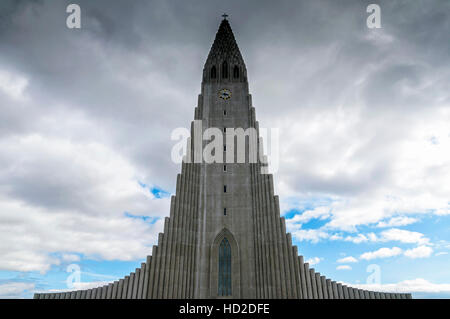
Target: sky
(87, 114)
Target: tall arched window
(236, 72)
(225, 70)
(213, 72)
(224, 268)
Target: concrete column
(345, 290)
(308, 281)
(99, 293)
(120, 289)
(323, 282)
(157, 257)
(271, 234)
(330, 290)
(94, 293)
(377, 295)
(297, 272)
(130, 286)
(72, 294)
(372, 294)
(319, 286)
(168, 293)
(340, 291)
(313, 283)
(89, 294)
(125, 286)
(151, 281)
(181, 183)
(366, 294)
(78, 294)
(146, 277)
(141, 281)
(109, 291)
(257, 229)
(269, 259)
(258, 249)
(187, 233)
(301, 266)
(294, 284)
(350, 293)
(361, 294)
(335, 290)
(83, 294)
(104, 292)
(114, 290)
(136, 284)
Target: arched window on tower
(224, 268)
(236, 72)
(213, 72)
(225, 70)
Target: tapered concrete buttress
(136, 283)
(313, 283)
(323, 282)
(308, 281)
(305, 292)
(335, 290)
(319, 286)
(340, 290)
(346, 294)
(130, 286)
(351, 294)
(330, 290)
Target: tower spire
(224, 55)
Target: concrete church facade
(224, 237)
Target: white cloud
(419, 252)
(77, 207)
(349, 259)
(70, 257)
(360, 238)
(314, 261)
(13, 85)
(313, 235)
(407, 286)
(344, 267)
(441, 253)
(382, 253)
(316, 213)
(397, 221)
(15, 289)
(404, 236)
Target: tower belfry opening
(201, 253)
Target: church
(224, 237)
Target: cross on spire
(224, 16)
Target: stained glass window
(224, 268)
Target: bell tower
(225, 199)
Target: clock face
(225, 94)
